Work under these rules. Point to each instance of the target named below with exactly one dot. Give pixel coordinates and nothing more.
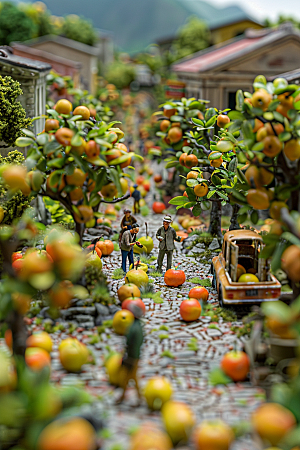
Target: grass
(197, 280)
(163, 336)
(155, 274)
(193, 345)
(168, 354)
(164, 328)
(146, 259)
(118, 274)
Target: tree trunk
(79, 228)
(234, 224)
(19, 333)
(215, 221)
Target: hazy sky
(265, 8)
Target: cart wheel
(220, 296)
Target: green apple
(147, 242)
(280, 82)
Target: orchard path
(188, 370)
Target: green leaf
(222, 195)
(291, 238)
(42, 139)
(267, 251)
(28, 133)
(247, 130)
(56, 162)
(258, 146)
(24, 141)
(242, 217)
(254, 217)
(197, 210)
(214, 156)
(276, 258)
(233, 164)
(191, 194)
(180, 200)
(236, 115)
(189, 204)
(198, 122)
(211, 121)
(51, 147)
(239, 99)
(116, 179)
(76, 140)
(277, 309)
(171, 164)
(211, 193)
(210, 112)
(103, 143)
(191, 182)
(284, 136)
(216, 180)
(217, 376)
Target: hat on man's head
(168, 218)
(135, 185)
(127, 210)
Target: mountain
(138, 23)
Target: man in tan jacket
(166, 236)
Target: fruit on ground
(201, 190)
(122, 321)
(157, 391)
(137, 277)
(178, 420)
(106, 247)
(149, 437)
(127, 291)
(272, 422)
(73, 433)
(37, 358)
(240, 270)
(139, 265)
(261, 99)
(248, 278)
(73, 354)
(222, 120)
(134, 301)
(63, 106)
(158, 207)
(258, 198)
(93, 260)
(41, 340)
(290, 262)
(213, 435)
(236, 365)
(174, 277)
(82, 111)
(190, 310)
(113, 367)
(147, 241)
(200, 293)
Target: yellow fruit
(73, 355)
(137, 277)
(41, 340)
(122, 321)
(258, 198)
(157, 391)
(113, 368)
(179, 421)
(149, 437)
(275, 209)
(261, 99)
(248, 278)
(292, 149)
(201, 190)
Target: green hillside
(138, 23)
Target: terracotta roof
(217, 55)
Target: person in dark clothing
(130, 361)
(166, 236)
(126, 223)
(136, 195)
(127, 242)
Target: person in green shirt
(130, 361)
(166, 235)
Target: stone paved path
(188, 370)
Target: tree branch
(116, 200)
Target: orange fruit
(164, 125)
(272, 146)
(261, 99)
(82, 111)
(275, 209)
(258, 198)
(77, 178)
(63, 106)
(272, 422)
(292, 149)
(201, 190)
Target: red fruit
(37, 358)
(16, 255)
(174, 277)
(200, 293)
(158, 207)
(134, 301)
(140, 180)
(18, 265)
(190, 309)
(236, 365)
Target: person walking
(127, 242)
(166, 235)
(130, 360)
(136, 195)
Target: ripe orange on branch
(63, 106)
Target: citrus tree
(207, 161)
(76, 161)
(269, 146)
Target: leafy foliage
(121, 74)
(15, 25)
(12, 114)
(79, 29)
(191, 38)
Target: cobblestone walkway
(188, 370)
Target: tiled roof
(217, 55)
(7, 57)
(36, 53)
(94, 51)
